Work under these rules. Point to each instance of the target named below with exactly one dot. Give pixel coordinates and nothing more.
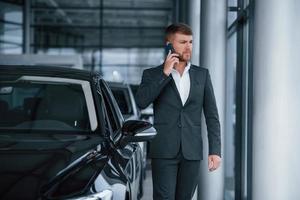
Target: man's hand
(214, 162)
(170, 62)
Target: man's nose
(188, 46)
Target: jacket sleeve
(212, 118)
(153, 81)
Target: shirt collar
(186, 69)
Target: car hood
(41, 165)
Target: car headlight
(104, 195)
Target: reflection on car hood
(35, 165)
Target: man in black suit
(179, 91)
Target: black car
(62, 136)
(126, 101)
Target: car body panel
(45, 160)
(126, 101)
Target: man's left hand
(214, 162)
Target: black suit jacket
(179, 125)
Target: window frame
(111, 104)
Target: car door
(130, 155)
(126, 102)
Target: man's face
(183, 45)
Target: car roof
(53, 71)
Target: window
(114, 115)
(238, 170)
(11, 27)
(122, 97)
(45, 105)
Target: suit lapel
(173, 85)
(192, 74)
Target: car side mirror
(136, 131)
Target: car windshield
(43, 105)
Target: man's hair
(177, 28)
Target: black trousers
(174, 179)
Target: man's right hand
(170, 62)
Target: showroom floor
(148, 183)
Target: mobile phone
(169, 47)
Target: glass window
(49, 106)
(232, 11)
(67, 3)
(238, 102)
(122, 97)
(66, 27)
(11, 27)
(127, 65)
(109, 35)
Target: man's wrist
(166, 73)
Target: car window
(43, 105)
(122, 97)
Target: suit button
(179, 125)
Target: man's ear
(169, 38)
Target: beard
(185, 57)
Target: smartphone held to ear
(169, 48)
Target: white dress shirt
(183, 83)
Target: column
(213, 56)
(276, 100)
